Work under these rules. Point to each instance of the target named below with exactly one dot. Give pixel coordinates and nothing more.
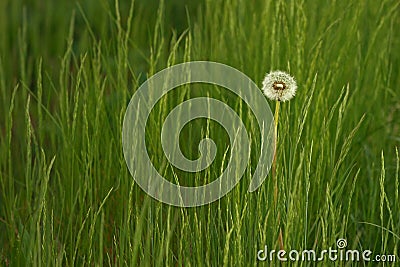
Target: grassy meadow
(69, 68)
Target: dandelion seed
(279, 86)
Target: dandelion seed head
(279, 86)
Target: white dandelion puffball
(279, 85)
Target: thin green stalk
(276, 119)
(274, 176)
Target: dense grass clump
(69, 68)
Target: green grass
(69, 68)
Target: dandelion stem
(274, 176)
(276, 118)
